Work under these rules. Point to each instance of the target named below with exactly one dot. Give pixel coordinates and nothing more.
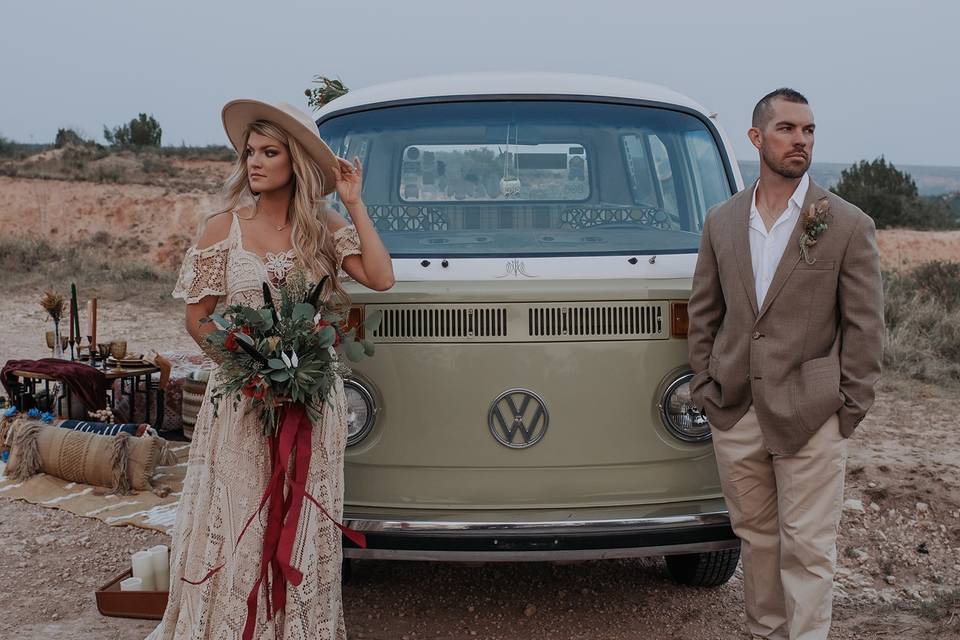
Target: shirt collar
(799, 195)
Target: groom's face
(786, 141)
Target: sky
(881, 76)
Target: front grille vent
(597, 320)
(442, 322)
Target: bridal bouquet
(289, 353)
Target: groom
(786, 338)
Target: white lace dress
(227, 473)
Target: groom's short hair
(761, 112)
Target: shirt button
(756, 335)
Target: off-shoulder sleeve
(203, 273)
(346, 242)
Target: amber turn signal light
(679, 320)
(355, 320)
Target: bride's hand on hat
(349, 180)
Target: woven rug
(143, 509)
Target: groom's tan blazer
(812, 350)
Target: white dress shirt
(767, 247)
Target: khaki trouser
(785, 510)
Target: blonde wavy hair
(313, 242)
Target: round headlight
(679, 415)
(361, 410)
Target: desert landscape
(899, 546)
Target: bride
(274, 221)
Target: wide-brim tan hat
(237, 114)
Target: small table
(132, 375)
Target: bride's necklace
(286, 224)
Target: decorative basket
(193, 392)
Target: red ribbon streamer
(291, 440)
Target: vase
(57, 343)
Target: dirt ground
(899, 547)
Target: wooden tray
(145, 605)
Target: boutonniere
(814, 221)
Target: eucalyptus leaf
(242, 337)
(217, 337)
(252, 316)
(276, 363)
(219, 320)
(372, 321)
(303, 311)
(280, 376)
(368, 348)
(354, 350)
(327, 335)
(266, 316)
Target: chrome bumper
(542, 535)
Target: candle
(159, 556)
(75, 308)
(71, 325)
(131, 584)
(143, 569)
(93, 322)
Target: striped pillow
(104, 428)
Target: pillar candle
(131, 584)
(71, 322)
(143, 569)
(160, 557)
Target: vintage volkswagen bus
(528, 399)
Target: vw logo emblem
(518, 418)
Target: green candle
(76, 309)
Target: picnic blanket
(142, 509)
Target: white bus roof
(508, 83)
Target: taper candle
(93, 319)
(76, 308)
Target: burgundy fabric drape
(85, 382)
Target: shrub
(142, 131)
(87, 263)
(216, 152)
(890, 197)
(153, 164)
(67, 137)
(107, 174)
(922, 317)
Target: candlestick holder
(92, 350)
(103, 349)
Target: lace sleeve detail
(203, 273)
(346, 242)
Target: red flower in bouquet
(254, 388)
(325, 323)
(231, 341)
